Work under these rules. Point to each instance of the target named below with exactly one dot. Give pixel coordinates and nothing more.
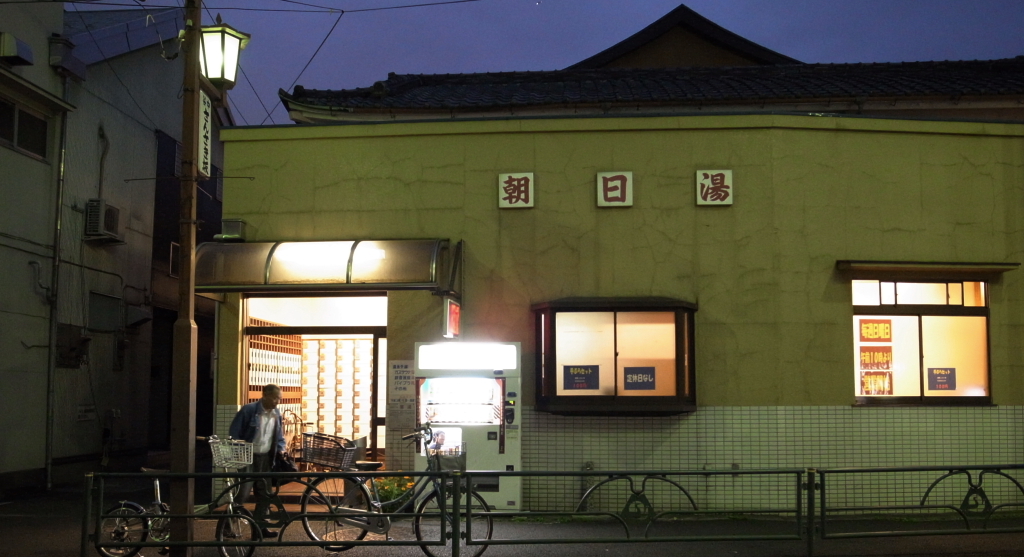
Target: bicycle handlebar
(419, 433)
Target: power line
(336, 22)
(112, 70)
(321, 9)
(246, 76)
(233, 103)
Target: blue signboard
(942, 379)
(639, 378)
(581, 378)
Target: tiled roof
(692, 21)
(681, 86)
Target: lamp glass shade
(220, 47)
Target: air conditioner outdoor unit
(102, 221)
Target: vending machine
(469, 393)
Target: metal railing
(644, 506)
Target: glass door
(326, 354)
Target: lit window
(615, 356)
(918, 341)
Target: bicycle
(130, 523)
(354, 510)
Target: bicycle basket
(231, 453)
(452, 460)
(328, 450)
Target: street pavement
(49, 525)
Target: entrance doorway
(328, 354)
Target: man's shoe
(268, 534)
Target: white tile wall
(721, 438)
(221, 424)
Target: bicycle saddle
(368, 466)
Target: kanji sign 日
(614, 189)
(515, 191)
(714, 187)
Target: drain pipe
(51, 367)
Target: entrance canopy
(327, 266)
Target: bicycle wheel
(130, 526)
(430, 516)
(335, 496)
(241, 528)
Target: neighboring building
(104, 397)
(33, 110)
(848, 236)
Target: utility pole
(183, 375)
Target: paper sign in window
(876, 357)
(876, 383)
(942, 379)
(876, 330)
(639, 378)
(582, 378)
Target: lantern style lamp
(219, 57)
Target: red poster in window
(876, 357)
(876, 330)
(875, 383)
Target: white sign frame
(623, 198)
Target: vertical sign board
(452, 318)
(401, 410)
(205, 144)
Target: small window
(615, 356)
(31, 133)
(6, 121)
(23, 130)
(920, 342)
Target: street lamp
(219, 56)
(219, 59)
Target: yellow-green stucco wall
(774, 324)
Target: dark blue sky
(507, 35)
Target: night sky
(517, 35)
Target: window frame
(547, 376)
(925, 311)
(14, 143)
(926, 272)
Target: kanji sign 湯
(715, 187)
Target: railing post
(87, 516)
(456, 527)
(810, 511)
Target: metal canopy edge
(214, 260)
(923, 269)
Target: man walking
(260, 424)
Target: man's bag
(284, 463)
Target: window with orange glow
(920, 340)
(623, 353)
